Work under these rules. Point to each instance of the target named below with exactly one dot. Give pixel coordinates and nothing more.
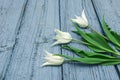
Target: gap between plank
(60, 29)
(17, 33)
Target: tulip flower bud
(62, 37)
(52, 59)
(81, 21)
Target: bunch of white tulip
(95, 41)
(63, 38)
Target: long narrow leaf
(82, 53)
(95, 40)
(113, 36)
(91, 60)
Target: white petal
(45, 64)
(62, 37)
(74, 20)
(58, 31)
(53, 58)
(55, 43)
(47, 53)
(84, 16)
(57, 37)
(78, 17)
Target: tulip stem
(98, 33)
(68, 61)
(82, 42)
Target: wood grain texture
(35, 35)
(111, 10)
(68, 9)
(27, 29)
(10, 17)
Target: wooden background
(27, 28)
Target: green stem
(103, 37)
(81, 42)
(68, 61)
(116, 53)
(98, 33)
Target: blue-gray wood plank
(69, 8)
(27, 28)
(10, 16)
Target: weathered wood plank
(69, 8)
(35, 35)
(10, 17)
(110, 9)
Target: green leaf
(96, 40)
(101, 61)
(96, 49)
(113, 36)
(75, 50)
(92, 60)
(110, 63)
(102, 42)
(82, 53)
(83, 60)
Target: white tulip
(52, 59)
(81, 20)
(62, 37)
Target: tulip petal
(84, 16)
(55, 43)
(74, 20)
(45, 64)
(47, 53)
(79, 20)
(51, 59)
(78, 17)
(62, 37)
(58, 31)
